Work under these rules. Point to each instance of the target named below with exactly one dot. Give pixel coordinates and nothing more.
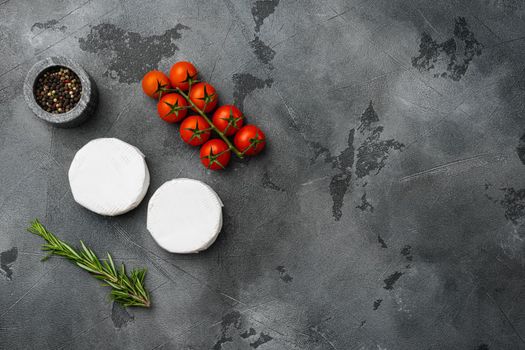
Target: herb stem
(126, 290)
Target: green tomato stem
(213, 127)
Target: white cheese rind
(184, 216)
(109, 176)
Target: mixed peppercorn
(58, 90)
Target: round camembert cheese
(109, 176)
(184, 216)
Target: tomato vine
(181, 92)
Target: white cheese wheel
(184, 216)
(109, 176)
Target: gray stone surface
(387, 211)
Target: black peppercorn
(58, 90)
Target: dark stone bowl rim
(61, 118)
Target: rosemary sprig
(126, 290)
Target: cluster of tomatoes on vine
(181, 93)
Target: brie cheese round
(184, 216)
(109, 176)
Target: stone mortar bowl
(83, 109)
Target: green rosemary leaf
(86, 267)
(128, 291)
(119, 293)
(106, 267)
(142, 274)
(140, 289)
(115, 286)
(85, 251)
(126, 282)
(110, 259)
(70, 250)
(123, 271)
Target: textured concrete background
(388, 211)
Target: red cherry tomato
(153, 82)
(203, 94)
(182, 74)
(215, 154)
(172, 108)
(194, 130)
(228, 119)
(250, 140)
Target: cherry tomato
(182, 74)
(153, 82)
(250, 140)
(203, 94)
(194, 130)
(228, 119)
(172, 108)
(215, 154)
